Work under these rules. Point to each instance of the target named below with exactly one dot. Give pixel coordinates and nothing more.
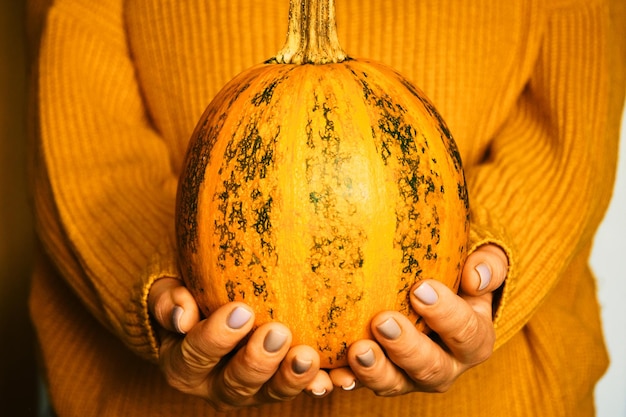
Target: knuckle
(392, 391)
(483, 354)
(222, 345)
(235, 388)
(194, 358)
(501, 273)
(175, 380)
(247, 379)
(478, 343)
(231, 395)
(468, 332)
(434, 377)
(272, 395)
(261, 368)
(442, 388)
(161, 307)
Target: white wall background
(609, 264)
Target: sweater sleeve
(543, 190)
(104, 188)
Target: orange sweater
(531, 89)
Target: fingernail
(300, 366)
(390, 329)
(426, 294)
(274, 340)
(485, 275)
(349, 387)
(367, 359)
(318, 392)
(238, 317)
(177, 314)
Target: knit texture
(532, 91)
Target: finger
(254, 364)
(376, 371)
(344, 378)
(484, 270)
(321, 385)
(428, 366)
(173, 306)
(463, 324)
(187, 362)
(296, 372)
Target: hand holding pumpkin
(403, 360)
(265, 369)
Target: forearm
(104, 189)
(551, 167)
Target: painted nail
(300, 366)
(349, 387)
(318, 392)
(485, 275)
(366, 359)
(238, 318)
(273, 341)
(177, 314)
(426, 294)
(390, 329)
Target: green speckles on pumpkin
(446, 137)
(265, 96)
(263, 225)
(443, 128)
(335, 254)
(404, 148)
(198, 157)
(242, 223)
(328, 326)
(260, 289)
(315, 198)
(334, 312)
(462, 193)
(230, 290)
(253, 154)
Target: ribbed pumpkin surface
(318, 195)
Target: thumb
(485, 270)
(188, 361)
(173, 306)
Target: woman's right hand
(214, 359)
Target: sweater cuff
(163, 264)
(486, 229)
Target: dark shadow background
(18, 381)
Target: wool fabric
(532, 91)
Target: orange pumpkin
(319, 189)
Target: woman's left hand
(403, 359)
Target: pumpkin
(319, 189)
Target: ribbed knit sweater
(532, 91)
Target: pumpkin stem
(311, 35)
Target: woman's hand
(403, 360)
(213, 359)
